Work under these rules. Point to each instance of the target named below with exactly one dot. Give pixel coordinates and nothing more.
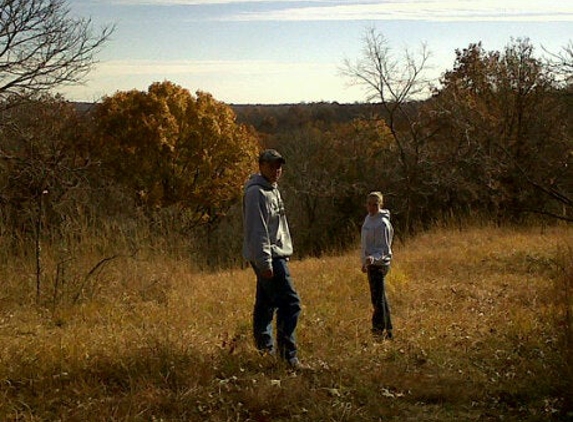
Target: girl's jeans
(279, 295)
(381, 315)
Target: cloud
(429, 10)
(381, 10)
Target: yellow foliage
(174, 148)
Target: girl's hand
(367, 262)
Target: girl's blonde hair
(377, 196)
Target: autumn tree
(503, 131)
(330, 167)
(397, 84)
(173, 149)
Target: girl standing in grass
(376, 255)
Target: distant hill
(276, 118)
(84, 107)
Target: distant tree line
(492, 142)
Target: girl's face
(372, 206)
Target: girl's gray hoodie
(376, 238)
(265, 226)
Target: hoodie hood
(385, 213)
(259, 180)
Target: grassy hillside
(482, 321)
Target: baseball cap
(270, 156)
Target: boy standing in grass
(376, 255)
(267, 245)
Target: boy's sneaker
(296, 365)
(266, 352)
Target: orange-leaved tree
(173, 149)
(503, 121)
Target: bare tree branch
(562, 62)
(42, 46)
(396, 83)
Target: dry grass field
(482, 319)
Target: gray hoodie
(265, 226)
(376, 238)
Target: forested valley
(164, 168)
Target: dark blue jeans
(278, 295)
(381, 315)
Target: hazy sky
(290, 51)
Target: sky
(292, 51)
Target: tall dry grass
(482, 332)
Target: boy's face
(271, 171)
